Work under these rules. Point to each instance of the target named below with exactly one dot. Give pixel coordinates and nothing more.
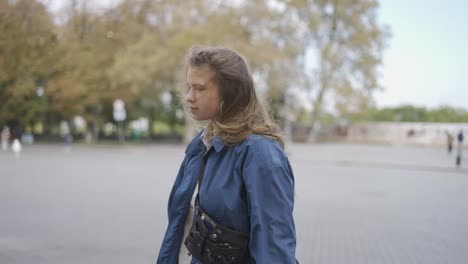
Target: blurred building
(403, 133)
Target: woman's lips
(193, 109)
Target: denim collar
(198, 147)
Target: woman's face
(203, 97)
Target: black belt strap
(235, 235)
(215, 244)
(201, 174)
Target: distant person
(5, 137)
(17, 132)
(449, 141)
(66, 133)
(68, 138)
(16, 147)
(460, 147)
(243, 210)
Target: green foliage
(348, 42)
(27, 43)
(408, 113)
(161, 128)
(136, 50)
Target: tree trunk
(325, 71)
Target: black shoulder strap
(201, 174)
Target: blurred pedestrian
(243, 210)
(16, 147)
(17, 131)
(460, 147)
(66, 133)
(449, 141)
(5, 137)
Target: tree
(27, 47)
(410, 113)
(348, 43)
(155, 61)
(80, 86)
(136, 50)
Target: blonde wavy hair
(242, 113)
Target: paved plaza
(355, 204)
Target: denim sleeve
(177, 182)
(269, 182)
(168, 253)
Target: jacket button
(214, 237)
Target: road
(355, 204)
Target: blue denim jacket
(248, 187)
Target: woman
(245, 196)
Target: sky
(426, 62)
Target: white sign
(119, 110)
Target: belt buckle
(210, 224)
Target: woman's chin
(198, 118)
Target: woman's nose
(190, 97)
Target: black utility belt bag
(212, 243)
